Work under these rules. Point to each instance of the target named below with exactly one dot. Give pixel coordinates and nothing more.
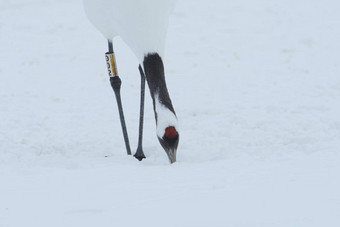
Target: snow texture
(141, 24)
(256, 89)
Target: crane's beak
(171, 155)
(170, 147)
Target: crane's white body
(142, 24)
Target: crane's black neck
(154, 72)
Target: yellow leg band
(111, 64)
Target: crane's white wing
(142, 24)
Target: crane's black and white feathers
(166, 120)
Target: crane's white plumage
(142, 24)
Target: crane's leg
(139, 153)
(116, 85)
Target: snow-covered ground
(256, 86)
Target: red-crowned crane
(142, 24)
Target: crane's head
(169, 142)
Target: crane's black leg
(139, 153)
(116, 85)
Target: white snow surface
(142, 24)
(256, 89)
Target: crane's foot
(139, 154)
